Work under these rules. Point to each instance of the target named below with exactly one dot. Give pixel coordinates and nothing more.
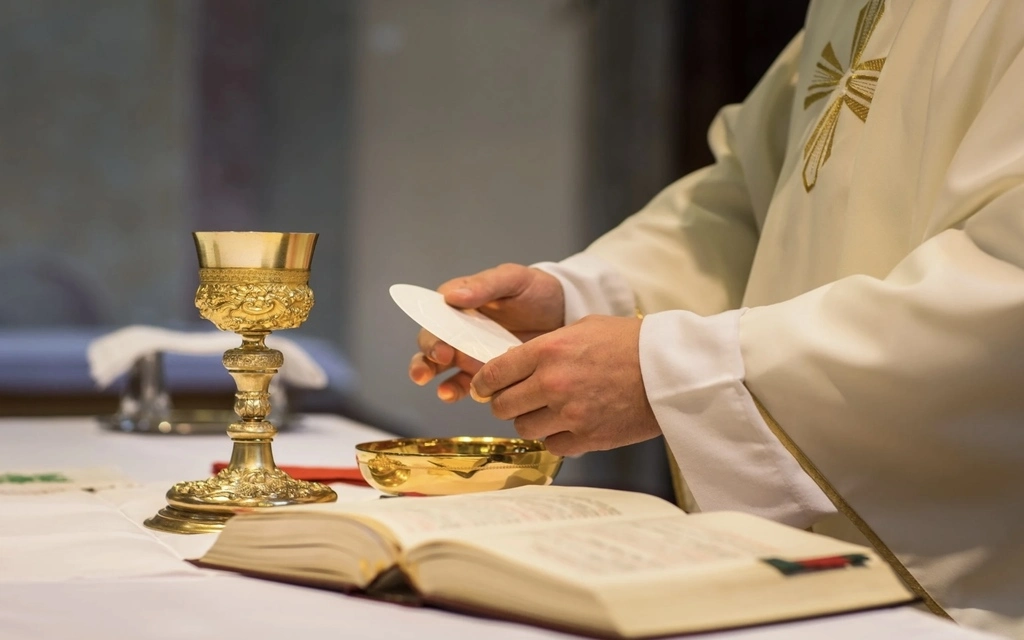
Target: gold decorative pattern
(241, 359)
(384, 464)
(256, 428)
(856, 90)
(259, 276)
(252, 307)
(244, 487)
(844, 508)
(252, 405)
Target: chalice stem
(252, 365)
(252, 454)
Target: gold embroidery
(856, 91)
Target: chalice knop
(249, 283)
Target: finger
(421, 370)
(565, 443)
(434, 349)
(538, 424)
(519, 399)
(473, 394)
(474, 291)
(514, 365)
(467, 364)
(443, 356)
(455, 388)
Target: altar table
(80, 565)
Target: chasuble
(834, 310)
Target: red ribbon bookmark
(796, 567)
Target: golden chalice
(249, 283)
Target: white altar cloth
(81, 565)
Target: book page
(415, 520)
(637, 545)
(652, 576)
(657, 544)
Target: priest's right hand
(526, 301)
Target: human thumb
(474, 291)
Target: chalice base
(174, 520)
(250, 483)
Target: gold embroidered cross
(857, 88)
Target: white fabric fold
(693, 374)
(590, 286)
(113, 354)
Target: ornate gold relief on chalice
(251, 284)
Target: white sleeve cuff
(591, 287)
(693, 374)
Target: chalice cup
(249, 283)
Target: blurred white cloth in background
(113, 354)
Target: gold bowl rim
(389, 447)
(255, 249)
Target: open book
(594, 561)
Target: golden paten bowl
(447, 466)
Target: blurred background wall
(95, 144)
(423, 139)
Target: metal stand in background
(146, 405)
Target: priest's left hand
(578, 388)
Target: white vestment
(855, 260)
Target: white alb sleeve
(591, 286)
(693, 375)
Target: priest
(827, 324)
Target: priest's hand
(526, 301)
(578, 388)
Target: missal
(599, 562)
